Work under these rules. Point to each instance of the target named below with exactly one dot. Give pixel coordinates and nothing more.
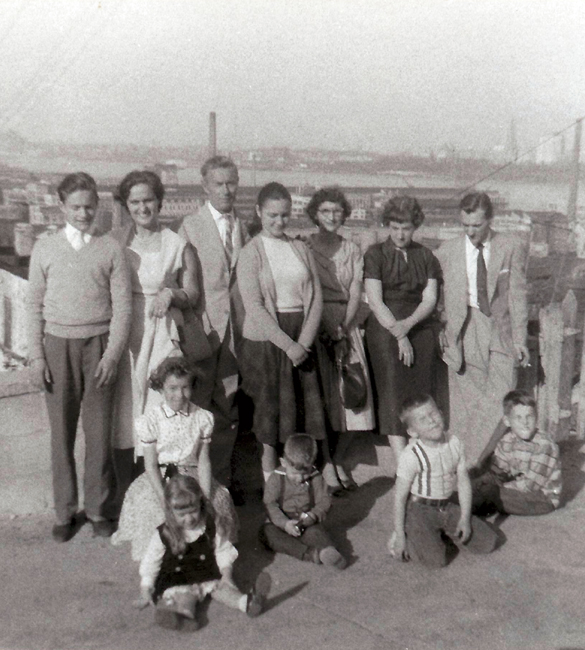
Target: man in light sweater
(79, 319)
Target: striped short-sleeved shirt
(432, 471)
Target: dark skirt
(393, 381)
(286, 399)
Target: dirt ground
(528, 594)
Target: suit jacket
(506, 293)
(219, 296)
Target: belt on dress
(435, 503)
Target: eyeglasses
(331, 213)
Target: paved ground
(528, 594)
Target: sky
(375, 75)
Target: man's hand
(522, 355)
(106, 372)
(291, 528)
(41, 375)
(463, 530)
(405, 351)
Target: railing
(561, 358)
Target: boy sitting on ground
(524, 472)
(297, 502)
(429, 471)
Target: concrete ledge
(16, 382)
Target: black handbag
(354, 389)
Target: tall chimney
(574, 188)
(212, 135)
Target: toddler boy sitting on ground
(297, 502)
(429, 471)
(524, 472)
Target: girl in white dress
(175, 437)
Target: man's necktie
(228, 244)
(482, 288)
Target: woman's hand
(443, 343)
(400, 328)
(297, 354)
(405, 351)
(161, 303)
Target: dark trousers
(490, 493)
(300, 547)
(425, 526)
(72, 364)
(216, 392)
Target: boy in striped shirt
(429, 472)
(524, 472)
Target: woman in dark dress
(401, 281)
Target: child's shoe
(330, 556)
(257, 595)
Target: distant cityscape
(29, 206)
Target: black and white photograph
(292, 324)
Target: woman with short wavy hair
(401, 280)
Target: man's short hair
(517, 398)
(477, 201)
(217, 162)
(411, 403)
(300, 450)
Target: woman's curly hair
(327, 194)
(403, 209)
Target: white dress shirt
(221, 221)
(75, 237)
(471, 253)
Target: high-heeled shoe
(345, 479)
(334, 486)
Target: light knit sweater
(79, 294)
(256, 284)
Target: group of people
(162, 339)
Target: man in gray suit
(217, 235)
(484, 311)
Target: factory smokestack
(212, 134)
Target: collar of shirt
(71, 232)
(195, 533)
(168, 411)
(217, 215)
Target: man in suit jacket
(217, 235)
(485, 315)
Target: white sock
(243, 603)
(266, 475)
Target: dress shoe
(63, 532)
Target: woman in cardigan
(282, 299)
(401, 280)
